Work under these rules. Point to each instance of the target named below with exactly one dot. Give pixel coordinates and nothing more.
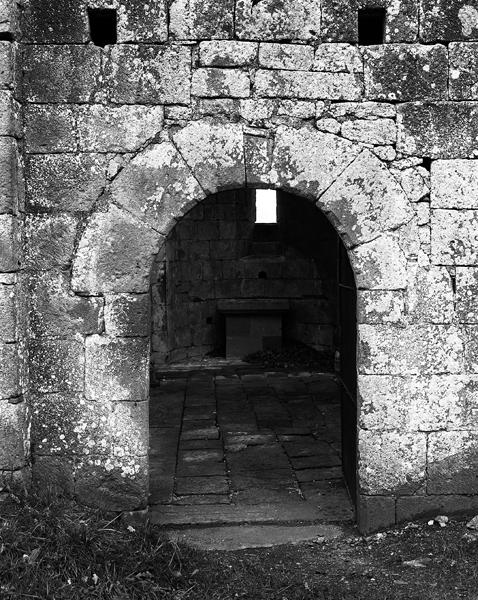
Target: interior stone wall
(211, 255)
(197, 97)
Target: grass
(55, 551)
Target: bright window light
(266, 206)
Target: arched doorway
(253, 399)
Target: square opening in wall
(371, 26)
(103, 26)
(266, 206)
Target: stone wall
(14, 414)
(197, 97)
(213, 254)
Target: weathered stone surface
(118, 485)
(366, 200)
(286, 56)
(430, 297)
(454, 238)
(55, 474)
(49, 241)
(452, 462)
(412, 403)
(50, 128)
(127, 315)
(10, 244)
(66, 424)
(470, 333)
(415, 181)
(215, 154)
(116, 369)
(462, 411)
(157, 185)
(463, 70)
(269, 20)
(380, 131)
(148, 74)
(217, 82)
(338, 58)
(14, 422)
(380, 264)
(196, 19)
(55, 311)
(416, 507)
(404, 72)
(466, 294)
(145, 22)
(218, 107)
(56, 366)
(392, 462)
(308, 85)
(309, 173)
(9, 371)
(375, 512)
(392, 350)
(438, 130)
(449, 21)
(344, 111)
(11, 185)
(111, 129)
(9, 76)
(8, 326)
(122, 262)
(55, 22)
(454, 184)
(10, 112)
(222, 53)
(61, 73)
(65, 182)
(380, 306)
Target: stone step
(294, 512)
(241, 537)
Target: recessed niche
(371, 26)
(103, 26)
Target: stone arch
(354, 188)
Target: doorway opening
(253, 400)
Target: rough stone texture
(466, 293)
(11, 193)
(14, 422)
(380, 264)
(454, 21)
(376, 512)
(196, 19)
(308, 85)
(452, 462)
(338, 58)
(216, 83)
(430, 296)
(56, 365)
(286, 56)
(454, 184)
(377, 132)
(463, 68)
(49, 128)
(9, 371)
(221, 53)
(127, 315)
(49, 241)
(10, 243)
(454, 237)
(404, 72)
(439, 130)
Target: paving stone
(205, 468)
(201, 445)
(201, 500)
(201, 485)
(326, 473)
(204, 433)
(329, 459)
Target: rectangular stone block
(49, 241)
(442, 20)
(419, 507)
(454, 237)
(50, 128)
(64, 182)
(63, 22)
(117, 369)
(416, 349)
(144, 22)
(452, 462)
(466, 294)
(10, 111)
(470, 333)
(9, 371)
(375, 513)
(227, 53)
(377, 132)
(122, 129)
(127, 315)
(405, 72)
(380, 306)
(338, 58)
(430, 296)
(61, 73)
(147, 74)
(14, 422)
(8, 326)
(308, 85)
(8, 70)
(11, 186)
(216, 82)
(196, 19)
(56, 366)
(464, 71)
(10, 244)
(292, 57)
(270, 20)
(392, 462)
(438, 130)
(454, 184)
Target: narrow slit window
(103, 26)
(371, 26)
(266, 206)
